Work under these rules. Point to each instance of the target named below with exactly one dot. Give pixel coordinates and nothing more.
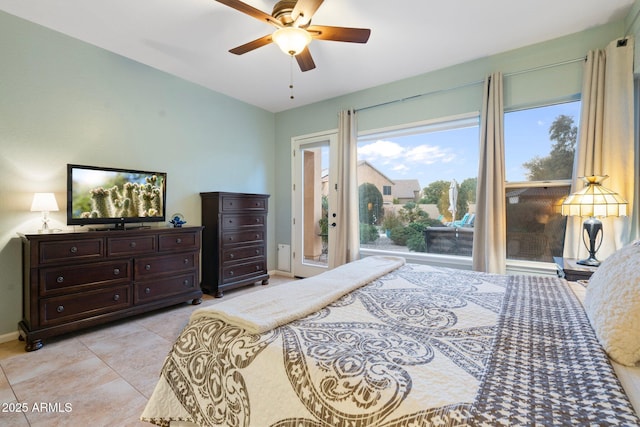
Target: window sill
(464, 263)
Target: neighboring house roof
(364, 163)
(406, 188)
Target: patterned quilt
(420, 346)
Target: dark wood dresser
(76, 280)
(234, 240)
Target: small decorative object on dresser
(77, 280)
(234, 240)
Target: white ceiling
(191, 39)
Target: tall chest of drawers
(76, 280)
(234, 240)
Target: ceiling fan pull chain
(291, 78)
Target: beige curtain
(489, 240)
(344, 243)
(606, 143)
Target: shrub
(368, 233)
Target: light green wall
(542, 84)
(63, 101)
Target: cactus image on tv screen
(116, 194)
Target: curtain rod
(434, 92)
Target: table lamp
(45, 203)
(593, 201)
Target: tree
(433, 192)
(371, 209)
(559, 163)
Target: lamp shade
(291, 40)
(594, 200)
(44, 202)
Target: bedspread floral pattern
(345, 369)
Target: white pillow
(612, 303)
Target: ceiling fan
(294, 30)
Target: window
(404, 179)
(539, 150)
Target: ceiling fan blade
(251, 11)
(248, 47)
(305, 61)
(305, 9)
(339, 34)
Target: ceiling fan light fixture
(291, 40)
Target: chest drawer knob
(257, 220)
(257, 251)
(257, 236)
(257, 268)
(60, 308)
(147, 267)
(73, 249)
(230, 272)
(178, 240)
(60, 279)
(231, 256)
(186, 261)
(132, 244)
(186, 282)
(116, 271)
(147, 291)
(116, 297)
(230, 239)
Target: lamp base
(591, 262)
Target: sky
(453, 154)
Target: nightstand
(571, 270)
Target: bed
(381, 342)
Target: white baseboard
(280, 273)
(9, 337)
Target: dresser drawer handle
(116, 271)
(231, 256)
(186, 282)
(186, 261)
(147, 267)
(147, 291)
(257, 268)
(257, 220)
(60, 279)
(73, 249)
(178, 240)
(60, 308)
(116, 297)
(132, 244)
(231, 273)
(230, 221)
(230, 239)
(257, 236)
(257, 251)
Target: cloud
(401, 159)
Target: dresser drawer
(235, 203)
(62, 309)
(150, 266)
(231, 221)
(232, 273)
(56, 280)
(238, 254)
(177, 241)
(237, 237)
(69, 250)
(158, 289)
(133, 245)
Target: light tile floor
(99, 377)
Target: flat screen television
(100, 195)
